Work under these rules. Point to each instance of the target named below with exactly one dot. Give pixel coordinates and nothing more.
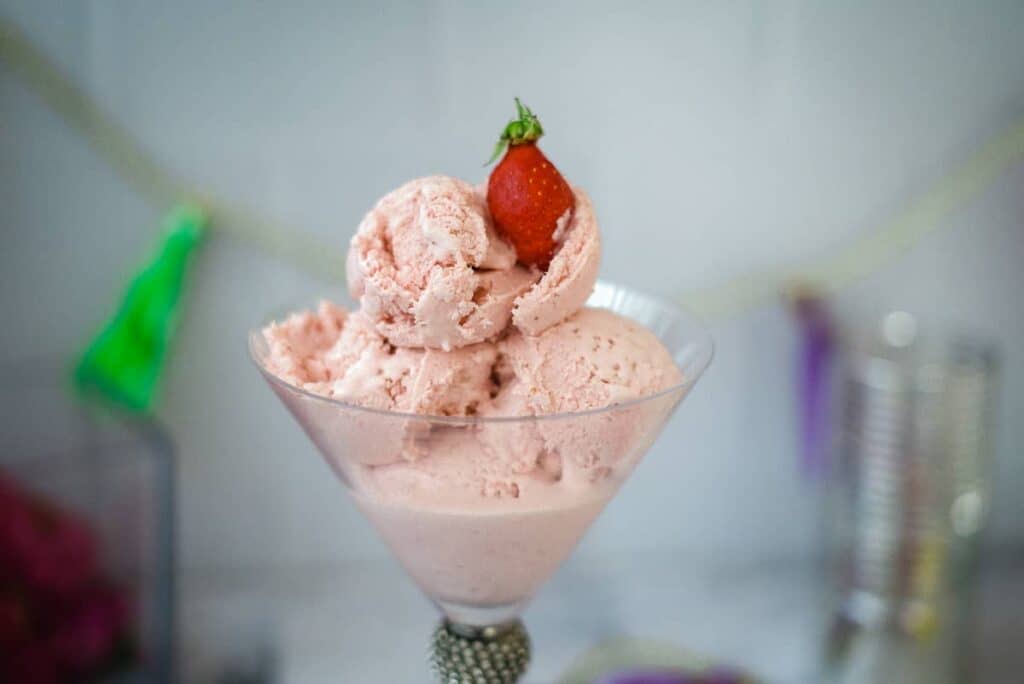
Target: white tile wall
(714, 138)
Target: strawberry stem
(525, 129)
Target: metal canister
(912, 497)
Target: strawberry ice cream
(516, 496)
(570, 277)
(465, 393)
(340, 355)
(594, 359)
(430, 271)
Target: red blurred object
(55, 552)
(60, 621)
(85, 635)
(33, 664)
(15, 629)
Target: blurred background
(717, 140)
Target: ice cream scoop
(430, 271)
(570, 277)
(341, 355)
(593, 359)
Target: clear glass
(910, 502)
(115, 472)
(419, 479)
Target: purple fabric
(817, 347)
(649, 676)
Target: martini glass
(478, 542)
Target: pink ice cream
(481, 512)
(340, 355)
(430, 271)
(594, 359)
(519, 495)
(570, 277)
(513, 497)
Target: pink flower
(85, 637)
(13, 515)
(59, 621)
(46, 548)
(15, 625)
(32, 664)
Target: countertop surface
(366, 622)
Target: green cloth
(123, 363)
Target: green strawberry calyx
(525, 129)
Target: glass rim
(703, 339)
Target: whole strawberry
(527, 196)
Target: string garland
(162, 188)
(874, 249)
